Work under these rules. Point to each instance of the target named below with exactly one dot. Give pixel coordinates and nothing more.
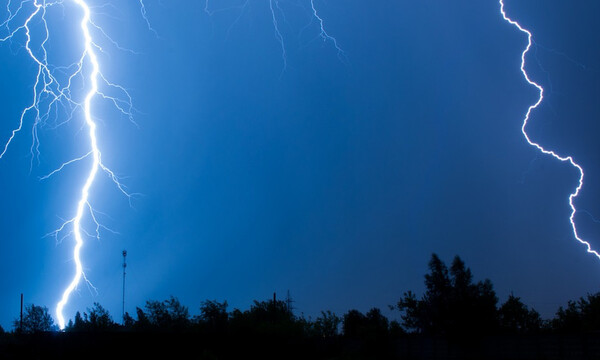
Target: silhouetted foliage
(76, 325)
(377, 324)
(95, 319)
(36, 319)
(271, 311)
(515, 317)
(371, 325)
(167, 315)
(213, 316)
(327, 324)
(271, 317)
(99, 318)
(396, 329)
(354, 323)
(128, 321)
(79, 324)
(579, 316)
(452, 317)
(452, 303)
(142, 323)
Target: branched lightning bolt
(568, 159)
(324, 35)
(55, 99)
(50, 96)
(276, 14)
(145, 17)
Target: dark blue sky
(335, 179)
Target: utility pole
(124, 267)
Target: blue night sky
(334, 178)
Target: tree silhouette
(579, 316)
(36, 319)
(372, 325)
(76, 325)
(96, 318)
(452, 303)
(327, 324)
(99, 318)
(267, 318)
(515, 317)
(377, 325)
(272, 311)
(473, 306)
(142, 323)
(213, 316)
(354, 323)
(167, 315)
(128, 321)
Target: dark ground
(194, 346)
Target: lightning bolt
(145, 17)
(278, 13)
(54, 98)
(322, 32)
(278, 35)
(51, 96)
(561, 158)
(90, 54)
(324, 35)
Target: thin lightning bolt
(278, 35)
(568, 159)
(145, 17)
(51, 96)
(276, 14)
(324, 35)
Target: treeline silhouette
(455, 317)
